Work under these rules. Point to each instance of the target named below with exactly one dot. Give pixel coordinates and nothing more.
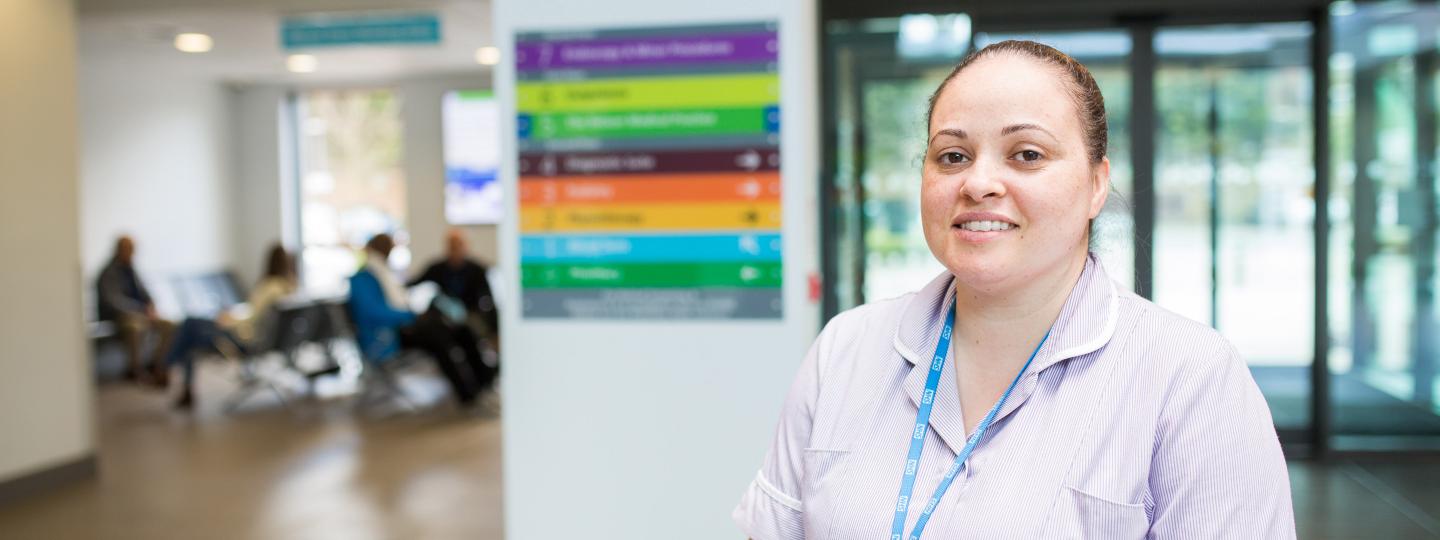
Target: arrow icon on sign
(749, 245)
(749, 273)
(750, 188)
(749, 161)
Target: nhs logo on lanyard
(928, 397)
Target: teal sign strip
(336, 30)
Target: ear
(1099, 186)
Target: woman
(234, 327)
(1054, 405)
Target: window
(351, 184)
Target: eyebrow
(957, 133)
(960, 133)
(1022, 127)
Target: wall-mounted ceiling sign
(364, 28)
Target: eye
(953, 158)
(1027, 155)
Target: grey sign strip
(707, 142)
(653, 304)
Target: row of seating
(323, 323)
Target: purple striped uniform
(1132, 422)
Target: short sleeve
(1218, 470)
(770, 509)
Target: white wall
(155, 163)
(652, 430)
(45, 415)
(263, 212)
(425, 167)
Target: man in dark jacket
(463, 278)
(123, 299)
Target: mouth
(981, 227)
(985, 225)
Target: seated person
(123, 299)
(462, 277)
(384, 324)
(234, 328)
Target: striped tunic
(1132, 422)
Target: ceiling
(139, 35)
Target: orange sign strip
(707, 187)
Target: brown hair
(1083, 90)
(381, 243)
(279, 263)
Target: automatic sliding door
(1233, 242)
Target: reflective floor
(318, 471)
(323, 471)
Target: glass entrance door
(1234, 198)
(1383, 239)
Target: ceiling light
(193, 43)
(301, 63)
(487, 56)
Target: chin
(983, 271)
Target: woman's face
(1008, 188)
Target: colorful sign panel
(377, 28)
(650, 173)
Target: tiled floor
(323, 472)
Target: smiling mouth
(985, 226)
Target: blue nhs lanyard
(922, 422)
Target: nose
(983, 182)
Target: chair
(379, 379)
(280, 330)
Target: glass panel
(1234, 197)
(351, 183)
(897, 260)
(1382, 208)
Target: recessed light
(487, 56)
(193, 43)
(301, 63)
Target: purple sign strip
(647, 51)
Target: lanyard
(922, 422)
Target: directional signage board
(649, 165)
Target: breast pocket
(1081, 515)
(823, 485)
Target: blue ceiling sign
(343, 29)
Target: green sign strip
(631, 124)
(648, 275)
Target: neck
(1015, 317)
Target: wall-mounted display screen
(472, 158)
